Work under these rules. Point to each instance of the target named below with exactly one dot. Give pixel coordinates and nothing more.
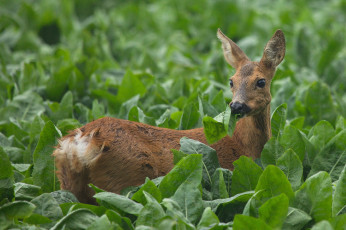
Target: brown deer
(113, 153)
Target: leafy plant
(66, 63)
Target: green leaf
(71, 206)
(242, 222)
(271, 152)
(151, 213)
(291, 165)
(245, 175)
(225, 209)
(213, 130)
(321, 133)
(118, 202)
(278, 120)
(64, 196)
(315, 196)
(291, 139)
(17, 210)
(188, 169)
(26, 191)
(126, 109)
(150, 188)
(174, 210)
(318, 101)
(78, 219)
(189, 199)
(208, 218)
(130, 86)
(44, 170)
(340, 124)
(296, 219)
(339, 222)
(115, 217)
(47, 206)
(332, 158)
(6, 177)
(323, 225)
(273, 211)
(190, 117)
(98, 110)
(210, 160)
(102, 223)
(339, 197)
(64, 109)
(274, 182)
(36, 219)
(218, 186)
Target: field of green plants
(66, 63)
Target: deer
(114, 154)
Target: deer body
(114, 154)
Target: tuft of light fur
(78, 150)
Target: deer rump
(114, 154)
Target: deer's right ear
(233, 54)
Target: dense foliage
(65, 63)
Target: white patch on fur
(80, 147)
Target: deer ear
(274, 51)
(233, 54)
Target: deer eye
(261, 83)
(231, 83)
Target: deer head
(250, 84)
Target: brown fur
(120, 153)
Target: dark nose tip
(238, 108)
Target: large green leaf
(291, 138)
(225, 209)
(44, 170)
(271, 152)
(296, 219)
(16, 210)
(131, 85)
(210, 160)
(319, 102)
(150, 188)
(332, 158)
(242, 222)
(273, 211)
(245, 175)
(78, 219)
(6, 177)
(188, 169)
(278, 120)
(118, 202)
(339, 196)
(321, 133)
(151, 213)
(218, 186)
(291, 165)
(323, 225)
(190, 117)
(26, 191)
(213, 130)
(315, 196)
(208, 218)
(189, 198)
(274, 182)
(47, 206)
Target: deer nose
(238, 108)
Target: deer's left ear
(274, 51)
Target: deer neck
(253, 132)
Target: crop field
(66, 63)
